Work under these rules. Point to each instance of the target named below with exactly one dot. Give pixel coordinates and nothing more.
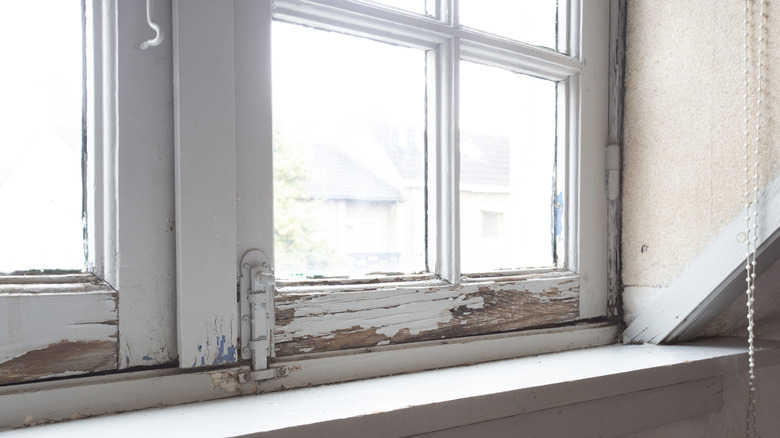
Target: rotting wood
(57, 329)
(614, 169)
(60, 359)
(331, 320)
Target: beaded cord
(751, 239)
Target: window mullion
(444, 11)
(444, 143)
(205, 154)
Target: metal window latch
(256, 289)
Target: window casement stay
(256, 289)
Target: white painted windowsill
(521, 391)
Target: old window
(427, 172)
(120, 144)
(40, 140)
(453, 179)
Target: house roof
(335, 174)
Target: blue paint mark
(147, 358)
(200, 347)
(127, 360)
(202, 361)
(226, 354)
(559, 214)
(195, 363)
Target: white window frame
(80, 326)
(198, 140)
(583, 137)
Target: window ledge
(529, 392)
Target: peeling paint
(416, 317)
(61, 359)
(558, 214)
(226, 353)
(224, 381)
(332, 320)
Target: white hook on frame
(156, 27)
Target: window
(426, 159)
(128, 200)
(180, 187)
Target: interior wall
(683, 167)
(729, 421)
(683, 155)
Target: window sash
(124, 208)
(362, 316)
(446, 45)
(130, 219)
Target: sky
(40, 135)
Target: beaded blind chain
(752, 235)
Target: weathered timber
(321, 321)
(60, 359)
(50, 330)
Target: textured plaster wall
(683, 177)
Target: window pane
(348, 155)
(507, 169)
(40, 136)
(530, 21)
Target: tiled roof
(336, 176)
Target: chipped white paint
(370, 300)
(224, 381)
(75, 316)
(377, 316)
(390, 309)
(77, 335)
(130, 197)
(415, 316)
(205, 161)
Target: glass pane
(40, 136)
(507, 169)
(530, 21)
(416, 6)
(348, 155)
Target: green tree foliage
(299, 251)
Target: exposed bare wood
(617, 26)
(77, 335)
(62, 358)
(327, 321)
